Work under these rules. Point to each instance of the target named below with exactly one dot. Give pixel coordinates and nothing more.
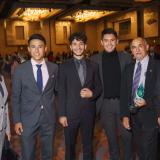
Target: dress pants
(158, 146)
(46, 133)
(145, 140)
(110, 118)
(86, 125)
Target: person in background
(79, 87)
(140, 100)
(4, 114)
(111, 65)
(33, 95)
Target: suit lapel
(149, 74)
(74, 71)
(31, 76)
(49, 75)
(120, 61)
(130, 78)
(99, 60)
(87, 71)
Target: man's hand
(18, 128)
(140, 102)
(125, 122)
(159, 121)
(86, 93)
(63, 121)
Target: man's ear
(70, 47)
(85, 46)
(46, 49)
(101, 42)
(28, 49)
(147, 47)
(117, 41)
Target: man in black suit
(144, 118)
(33, 100)
(111, 64)
(79, 87)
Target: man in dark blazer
(33, 100)
(79, 87)
(111, 64)
(144, 119)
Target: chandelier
(86, 15)
(34, 14)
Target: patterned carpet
(100, 145)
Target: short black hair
(79, 36)
(37, 36)
(109, 31)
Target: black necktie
(39, 77)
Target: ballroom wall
(57, 40)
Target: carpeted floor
(100, 145)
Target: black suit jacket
(146, 115)
(70, 102)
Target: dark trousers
(46, 134)
(158, 146)
(86, 125)
(110, 118)
(145, 140)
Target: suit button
(2, 107)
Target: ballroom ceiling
(64, 8)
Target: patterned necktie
(39, 77)
(81, 72)
(136, 80)
(1, 90)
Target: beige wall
(3, 46)
(92, 29)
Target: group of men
(107, 83)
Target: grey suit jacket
(4, 115)
(26, 97)
(124, 59)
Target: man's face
(78, 47)
(109, 42)
(139, 48)
(37, 50)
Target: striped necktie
(136, 80)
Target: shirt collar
(34, 63)
(144, 60)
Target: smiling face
(139, 48)
(109, 42)
(78, 47)
(37, 50)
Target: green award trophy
(140, 92)
(139, 95)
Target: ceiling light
(86, 15)
(34, 14)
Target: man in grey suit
(34, 84)
(111, 64)
(4, 114)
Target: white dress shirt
(45, 75)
